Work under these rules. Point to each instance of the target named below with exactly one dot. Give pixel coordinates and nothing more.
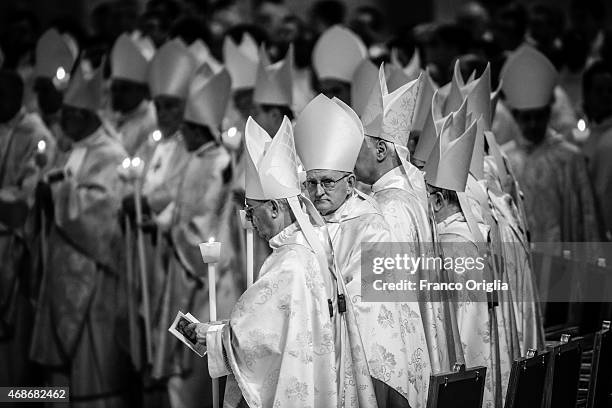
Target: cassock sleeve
(217, 358)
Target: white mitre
(130, 58)
(271, 163)
(337, 54)
(85, 88)
(171, 70)
(328, 135)
(274, 84)
(208, 100)
(529, 79)
(56, 55)
(241, 61)
(449, 163)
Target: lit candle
(61, 73)
(249, 246)
(41, 146)
(211, 252)
(231, 138)
(156, 135)
(40, 158)
(134, 167)
(581, 132)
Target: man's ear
(350, 183)
(438, 201)
(381, 150)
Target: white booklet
(178, 330)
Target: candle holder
(211, 251)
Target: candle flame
(126, 163)
(156, 135)
(231, 132)
(581, 125)
(61, 73)
(136, 162)
(42, 145)
(211, 240)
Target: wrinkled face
(365, 168)
(75, 122)
(126, 95)
(533, 123)
(260, 213)
(598, 98)
(337, 88)
(170, 110)
(329, 189)
(48, 97)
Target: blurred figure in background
(76, 333)
(559, 200)
(597, 91)
(134, 117)
(334, 70)
(20, 136)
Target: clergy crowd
(123, 150)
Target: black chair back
(459, 388)
(600, 385)
(527, 381)
(561, 387)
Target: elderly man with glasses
(328, 137)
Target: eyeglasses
(327, 184)
(248, 210)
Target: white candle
(249, 242)
(211, 252)
(249, 247)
